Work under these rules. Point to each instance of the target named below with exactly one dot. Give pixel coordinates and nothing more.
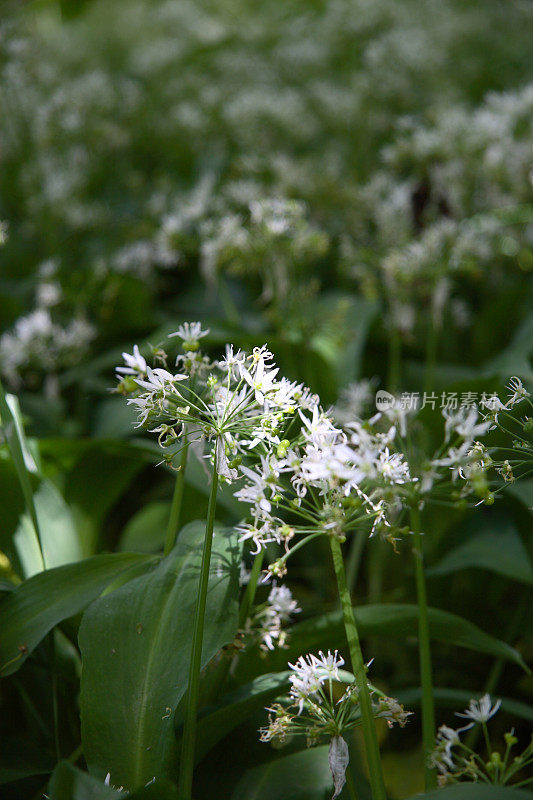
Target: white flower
(261, 381)
(232, 362)
(107, 782)
(327, 666)
(517, 392)
(393, 468)
(305, 682)
(135, 364)
(261, 536)
(442, 755)
(320, 429)
(310, 672)
(159, 381)
(464, 423)
(282, 602)
(479, 711)
(190, 333)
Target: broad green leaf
(12, 426)
(387, 619)
(299, 776)
(135, 647)
(29, 612)
(523, 491)
(235, 707)
(475, 791)
(71, 783)
(59, 537)
(96, 482)
(459, 699)
(156, 790)
(145, 532)
(12, 505)
(499, 550)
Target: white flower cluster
(456, 761)
(310, 673)
(312, 710)
(329, 478)
(270, 620)
(37, 343)
(258, 93)
(237, 402)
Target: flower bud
(282, 448)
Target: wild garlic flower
(270, 619)
(323, 703)
(328, 480)
(515, 458)
(190, 333)
(39, 345)
(135, 364)
(456, 762)
(228, 406)
(517, 392)
(479, 711)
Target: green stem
(350, 784)
(189, 727)
(424, 650)
(359, 671)
(395, 360)
(431, 357)
(354, 558)
(177, 498)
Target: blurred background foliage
(348, 180)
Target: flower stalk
(359, 671)
(424, 649)
(189, 728)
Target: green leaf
(135, 647)
(11, 421)
(59, 537)
(96, 482)
(235, 707)
(475, 791)
(500, 550)
(160, 789)
(459, 699)
(29, 612)
(387, 619)
(145, 531)
(71, 783)
(299, 776)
